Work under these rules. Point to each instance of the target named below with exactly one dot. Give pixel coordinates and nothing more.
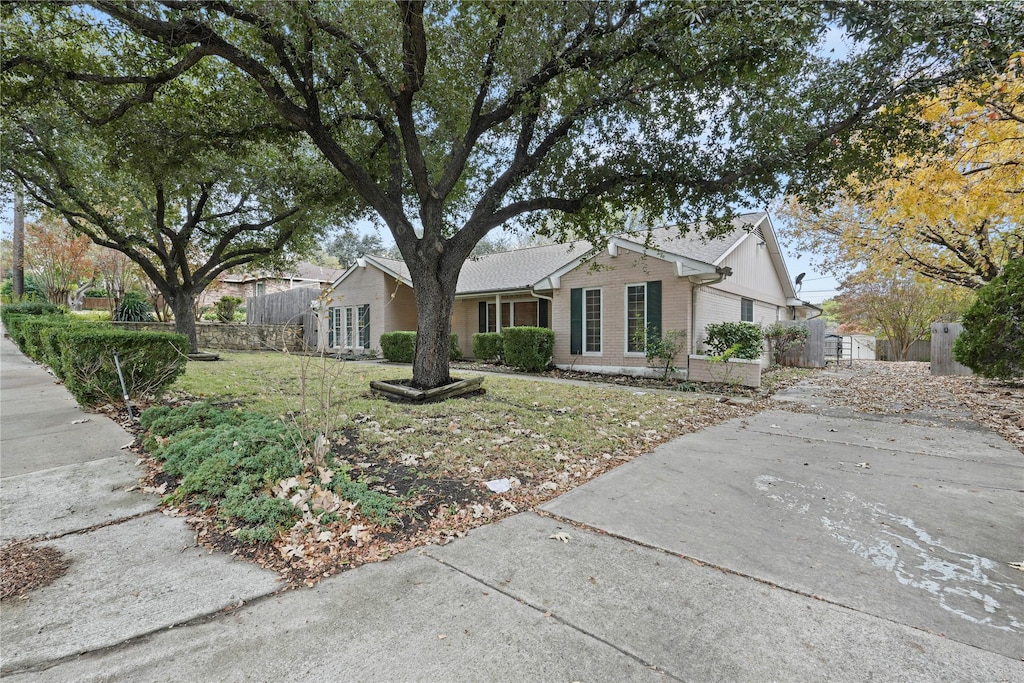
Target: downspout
(722, 272)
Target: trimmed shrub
(487, 345)
(30, 332)
(150, 362)
(992, 341)
(13, 315)
(400, 347)
(742, 340)
(528, 348)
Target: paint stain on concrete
(962, 583)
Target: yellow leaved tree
(954, 214)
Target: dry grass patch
(436, 459)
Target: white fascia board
(775, 252)
(685, 266)
(381, 267)
(553, 281)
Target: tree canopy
(449, 119)
(953, 214)
(182, 188)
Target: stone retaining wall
(235, 337)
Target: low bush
(30, 332)
(150, 361)
(400, 347)
(226, 308)
(781, 338)
(233, 461)
(487, 345)
(741, 340)
(134, 308)
(13, 315)
(528, 348)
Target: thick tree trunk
(430, 366)
(434, 287)
(182, 306)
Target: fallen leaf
(78, 422)
(1019, 566)
(561, 536)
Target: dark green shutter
(654, 307)
(332, 316)
(542, 313)
(482, 307)
(364, 336)
(576, 321)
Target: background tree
(58, 258)
(954, 214)
(117, 274)
(347, 245)
(899, 309)
(185, 195)
(452, 119)
(992, 341)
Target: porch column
(497, 313)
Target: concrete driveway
(913, 520)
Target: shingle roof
(522, 268)
(310, 271)
(693, 244)
(516, 269)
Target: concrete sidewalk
(756, 550)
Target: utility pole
(18, 247)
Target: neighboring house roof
(304, 270)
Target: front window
(636, 318)
(592, 320)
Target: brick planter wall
(235, 337)
(734, 370)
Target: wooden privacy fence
(943, 363)
(290, 307)
(812, 355)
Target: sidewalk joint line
(551, 615)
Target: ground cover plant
(428, 465)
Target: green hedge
(14, 316)
(400, 347)
(30, 329)
(528, 348)
(150, 361)
(487, 345)
(742, 340)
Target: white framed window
(636, 318)
(747, 310)
(349, 327)
(592, 326)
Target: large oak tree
(450, 119)
(184, 191)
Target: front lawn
(434, 460)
